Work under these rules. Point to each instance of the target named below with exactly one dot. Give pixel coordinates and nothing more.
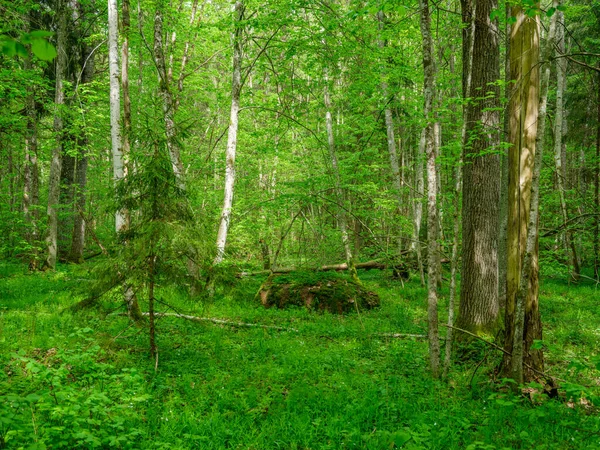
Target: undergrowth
(328, 382)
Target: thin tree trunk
(166, 96)
(467, 76)
(561, 78)
(126, 23)
(341, 213)
(418, 205)
(522, 319)
(432, 211)
(503, 210)
(236, 88)
(479, 309)
(389, 127)
(597, 193)
(56, 162)
(115, 104)
(31, 175)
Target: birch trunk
(479, 309)
(418, 205)
(56, 162)
(31, 195)
(115, 104)
(236, 88)
(432, 211)
(559, 131)
(528, 111)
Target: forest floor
(333, 382)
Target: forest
(300, 224)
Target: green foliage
(69, 399)
(37, 42)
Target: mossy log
(320, 291)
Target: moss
(321, 291)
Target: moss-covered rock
(322, 291)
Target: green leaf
(550, 12)
(494, 14)
(39, 34)
(43, 49)
(561, 8)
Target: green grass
(86, 381)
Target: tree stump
(320, 291)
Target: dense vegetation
(299, 224)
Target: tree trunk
(126, 23)
(236, 88)
(522, 319)
(56, 162)
(389, 127)
(115, 104)
(467, 78)
(597, 193)
(479, 309)
(432, 211)
(561, 79)
(167, 96)
(418, 205)
(31, 195)
(341, 213)
(67, 192)
(503, 210)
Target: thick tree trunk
(432, 210)
(56, 162)
(561, 79)
(479, 309)
(522, 319)
(236, 89)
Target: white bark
(236, 87)
(115, 103)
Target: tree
(432, 220)
(62, 11)
(522, 318)
(479, 309)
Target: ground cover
(333, 382)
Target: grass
(86, 381)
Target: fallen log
(218, 321)
(368, 265)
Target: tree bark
(479, 309)
(236, 88)
(522, 319)
(56, 162)
(432, 210)
(115, 104)
(31, 173)
(597, 192)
